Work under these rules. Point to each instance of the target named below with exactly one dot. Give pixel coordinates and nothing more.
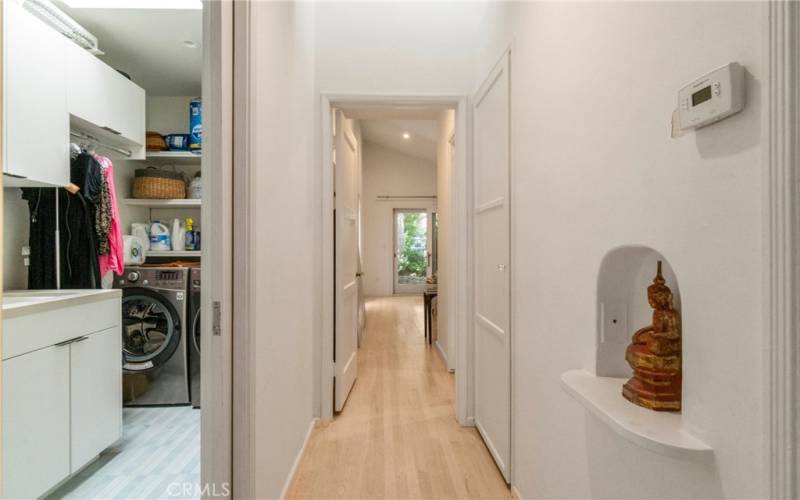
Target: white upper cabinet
(103, 102)
(51, 86)
(35, 118)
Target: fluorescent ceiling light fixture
(135, 4)
(61, 22)
(406, 135)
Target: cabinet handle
(109, 129)
(72, 341)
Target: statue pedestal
(656, 381)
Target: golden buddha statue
(655, 354)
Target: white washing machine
(155, 340)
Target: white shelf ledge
(174, 157)
(173, 253)
(183, 203)
(661, 432)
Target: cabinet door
(98, 94)
(36, 120)
(127, 107)
(87, 96)
(35, 421)
(96, 371)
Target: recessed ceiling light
(190, 43)
(135, 4)
(406, 135)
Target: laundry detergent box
(196, 125)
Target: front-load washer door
(151, 330)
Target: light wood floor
(397, 436)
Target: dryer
(194, 342)
(155, 328)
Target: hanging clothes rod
(386, 198)
(95, 140)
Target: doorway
(155, 413)
(414, 244)
(366, 107)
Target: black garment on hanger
(77, 246)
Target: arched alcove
(622, 307)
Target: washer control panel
(712, 97)
(169, 278)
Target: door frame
(428, 267)
(781, 263)
(216, 453)
(461, 229)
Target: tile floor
(158, 457)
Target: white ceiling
(148, 45)
(389, 133)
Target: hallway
(397, 436)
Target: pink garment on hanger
(115, 260)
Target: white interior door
(490, 246)
(346, 259)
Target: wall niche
(622, 307)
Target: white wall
(446, 300)
(15, 235)
(593, 89)
(284, 211)
(388, 172)
(168, 114)
(395, 47)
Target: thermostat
(712, 97)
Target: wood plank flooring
(397, 436)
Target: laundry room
(103, 235)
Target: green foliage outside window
(412, 260)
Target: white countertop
(21, 302)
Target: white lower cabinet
(95, 418)
(62, 406)
(36, 440)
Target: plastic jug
(159, 237)
(178, 235)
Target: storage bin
(152, 183)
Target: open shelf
(182, 203)
(661, 432)
(174, 157)
(173, 253)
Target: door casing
(461, 188)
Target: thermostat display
(712, 97)
(701, 96)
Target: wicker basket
(155, 142)
(152, 183)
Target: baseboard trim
(298, 458)
(468, 422)
(515, 492)
(442, 354)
